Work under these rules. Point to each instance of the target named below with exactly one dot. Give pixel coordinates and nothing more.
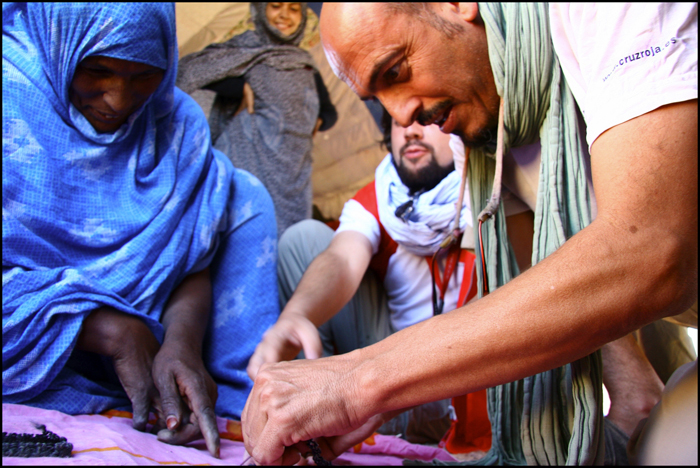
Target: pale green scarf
(554, 417)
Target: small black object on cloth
(46, 444)
(316, 453)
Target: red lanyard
(453, 254)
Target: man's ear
(466, 11)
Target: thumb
(310, 340)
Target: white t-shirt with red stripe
(406, 276)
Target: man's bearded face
(425, 177)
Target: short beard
(424, 179)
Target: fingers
(207, 425)
(187, 398)
(333, 447)
(186, 432)
(284, 341)
(192, 428)
(171, 403)
(140, 404)
(253, 425)
(204, 416)
(291, 456)
(256, 360)
(310, 340)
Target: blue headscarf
(89, 219)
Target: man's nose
(402, 110)
(413, 132)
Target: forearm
(581, 297)
(632, 384)
(187, 313)
(330, 281)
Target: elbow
(671, 276)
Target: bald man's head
(424, 62)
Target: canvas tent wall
(344, 157)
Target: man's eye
(393, 73)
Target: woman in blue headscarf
(123, 227)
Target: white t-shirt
(407, 281)
(620, 61)
(624, 60)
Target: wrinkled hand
(299, 400)
(333, 447)
(284, 340)
(133, 361)
(187, 397)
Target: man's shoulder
(367, 197)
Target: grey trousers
(362, 322)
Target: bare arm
(632, 383)
(636, 263)
(327, 285)
(187, 391)
(339, 269)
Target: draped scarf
(433, 214)
(554, 417)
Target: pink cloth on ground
(111, 440)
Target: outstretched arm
(327, 285)
(187, 391)
(636, 263)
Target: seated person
(123, 228)
(373, 276)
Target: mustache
(426, 146)
(427, 116)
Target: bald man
(626, 257)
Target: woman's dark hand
(187, 396)
(133, 363)
(132, 347)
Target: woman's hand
(132, 347)
(284, 340)
(318, 125)
(187, 396)
(187, 392)
(248, 100)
